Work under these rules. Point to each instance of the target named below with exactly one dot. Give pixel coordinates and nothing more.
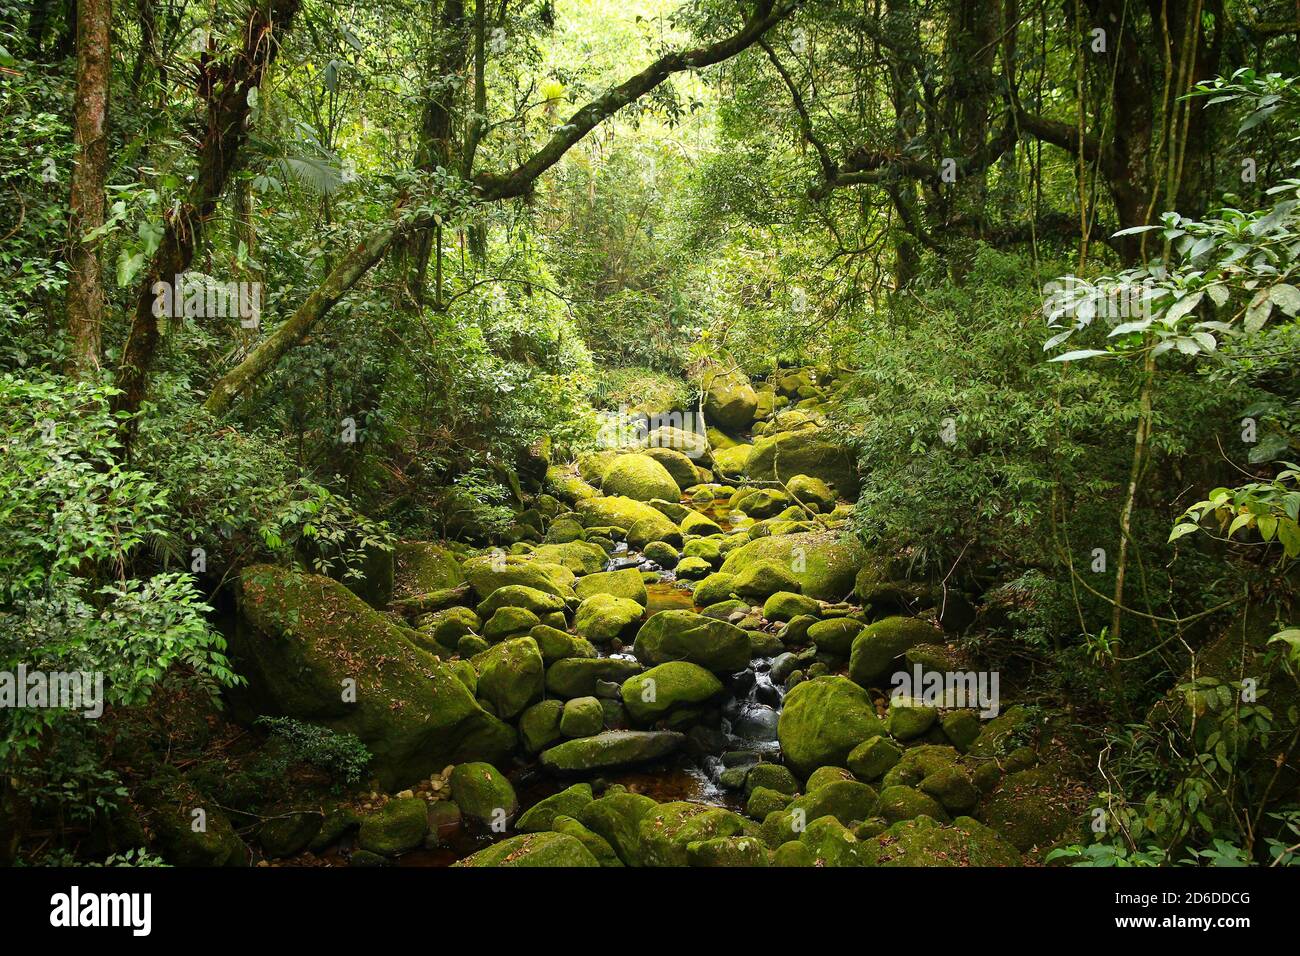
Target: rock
(486, 573)
(169, 801)
(508, 621)
(953, 788)
(763, 643)
(612, 748)
(727, 851)
(602, 617)
(482, 792)
(449, 625)
(909, 719)
(925, 842)
(836, 635)
(592, 467)
(784, 605)
(873, 758)
(849, 801)
(422, 566)
(693, 568)
(568, 802)
(622, 584)
(511, 675)
(1001, 733)
(917, 763)
(539, 725)
(761, 579)
(729, 399)
(300, 636)
(288, 833)
(811, 491)
(764, 800)
(469, 645)
(808, 452)
(904, 803)
(646, 531)
(652, 694)
(366, 859)
(568, 487)
(335, 825)
(556, 645)
(663, 554)
(1032, 808)
(687, 636)
(762, 502)
(727, 610)
(640, 478)
(597, 845)
(398, 826)
(823, 566)
(580, 557)
(665, 831)
(582, 717)
(616, 818)
(679, 467)
(703, 525)
(823, 720)
(564, 530)
(730, 462)
(533, 850)
(714, 588)
(793, 853)
(880, 644)
(620, 512)
(795, 632)
(962, 727)
(577, 677)
(826, 775)
(773, 776)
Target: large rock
(398, 826)
(311, 649)
(822, 721)
(729, 399)
(686, 636)
(613, 748)
(423, 566)
(567, 486)
(824, 565)
(520, 596)
(577, 677)
(580, 557)
(533, 850)
(487, 573)
(626, 583)
(603, 617)
(808, 451)
(693, 444)
(680, 467)
(881, 643)
(481, 791)
(626, 513)
(616, 817)
(511, 675)
(925, 842)
(542, 814)
(641, 478)
(665, 832)
(656, 692)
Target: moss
(653, 693)
(398, 826)
(539, 725)
(686, 636)
(596, 845)
(760, 579)
(508, 621)
(534, 850)
(953, 788)
(567, 486)
(1032, 808)
(603, 617)
(831, 843)
(449, 625)
(962, 727)
(774, 777)
(582, 717)
(904, 803)
(881, 643)
(823, 564)
(481, 791)
(744, 851)
(835, 636)
(872, 758)
(822, 721)
(486, 573)
(665, 831)
(423, 566)
(793, 853)
(713, 589)
(312, 650)
(616, 818)
(626, 584)
(568, 802)
(908, 719)
(556, 644)
(925, 842)
(810, 452)
(823, 776)
(511, 675)
(519, 596)
(612, 748)
(577, 677)
(785, 605)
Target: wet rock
(582, 717)
(612, 748)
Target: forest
(643, 433)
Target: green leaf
(1181, 530)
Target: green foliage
(341, 755)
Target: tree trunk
(90, 135)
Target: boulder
(603, 617)
(626, 583)
(511, 675)
(481, 791)
(716, 587)
(836, 635)
(665, 831)
(301, 640)
(577, 677)
(568, 802)
(556, 645)
(582, 717)
(758, 580)
(677, 464)
(398, 826)
(808, 452)
(616, 818)
(597, 845)
(653, 693)
(640, 478)
(811, 491)
(925, 842)
(823, 720)
(580, 557)
(486, 573)
(533, 850)
(612, 748)
(423, 566)
(730, 401)
(880, 644)
(539, 725)
(823, 565)
(686, 636)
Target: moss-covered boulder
(904, 803)
(580, 557)
(774, 776)
(730, 401)
(508, 622)
(625, 513)
(823, 565)
(577, 677)
(665, 831)
(784, 605)
(597, 845)
(825, 776)
(812, 492)
(873, 758)
(311, 649)
(448, 626)
(397, 826)
(613, 748)
(582, 717)
(880, 644)
(758, 580)
(487, 572)
(677, 464)
(926, 842)
(793, 854)
(567, 486)
(654, 693)
(745, 851)
(539, 725)
(703, 525)
(616, 818)
(533, 850)
(810, 452)
(764, 800)
(831, 843)
(822, 721)
(520, 596)
(511, 675)
(714, 589)
(603, 617)
(1032, 808)
(909, 718)
(423, 566)
(481, 791)
(962, 727)
(953, 788)
(556, 645)
(693, 569)
(730, 462)
(686, 636)
(1002, 734)
(836, 635)
(640, 478)
(568, 802)
(626, 583)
